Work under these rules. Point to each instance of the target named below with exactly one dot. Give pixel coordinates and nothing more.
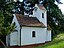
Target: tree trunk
(3, 43)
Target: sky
(61, 6)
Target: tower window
(33, 34)
(14, 23)
(42, 15)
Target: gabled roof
(29, 21)
(41, 7)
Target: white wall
(26, 35)
(48, 35)
(14, 39)
(7, 40)
(15, 34)
(38, 14)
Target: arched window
(33, 34)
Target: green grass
(58, 42)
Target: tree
(5, 19)
(55, 16)
(4, 30)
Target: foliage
(55, 16)
(5, 27)
(5, 19)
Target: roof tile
(29, 21)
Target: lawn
(57, 42)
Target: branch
(3, 43)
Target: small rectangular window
(33, 34)
(42, 15)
